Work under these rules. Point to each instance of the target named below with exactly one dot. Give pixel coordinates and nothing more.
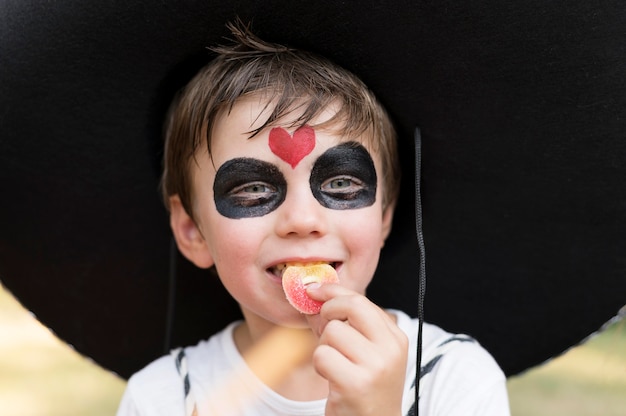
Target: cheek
(368, 240)
(362, 231)
(233, 240)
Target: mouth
(278, 269)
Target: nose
(301, 215)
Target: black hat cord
(422, 262)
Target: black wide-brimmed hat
(522, 110)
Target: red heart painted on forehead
(292, 149)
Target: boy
(277, 157)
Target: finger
(316, 324)
(334, 366)
(348, 341)
(346, 377)
(326, 292)
(344, 304)
(362, 314)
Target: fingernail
(314, 285)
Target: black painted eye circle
(246, 187)
(344, 177)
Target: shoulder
(460, 358)
(455, 350)
(458, 376)
(154, 390)
(158, 389)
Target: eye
(342, 184)
(247, 188)
(255, 188)
(252, 194)
(344, 177)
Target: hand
(361, 352)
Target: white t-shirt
(459, 378)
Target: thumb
(315, 323)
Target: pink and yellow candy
(296, 278)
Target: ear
(188, 236)
(387, 222)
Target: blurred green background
(42, 376)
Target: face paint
(292, 149)
(246, 188)
(344, 177)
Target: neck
(282, 359)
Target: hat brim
(521, 109)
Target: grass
(42, 376)
(587, 380)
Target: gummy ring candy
(296, 278)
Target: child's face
(281, 197)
